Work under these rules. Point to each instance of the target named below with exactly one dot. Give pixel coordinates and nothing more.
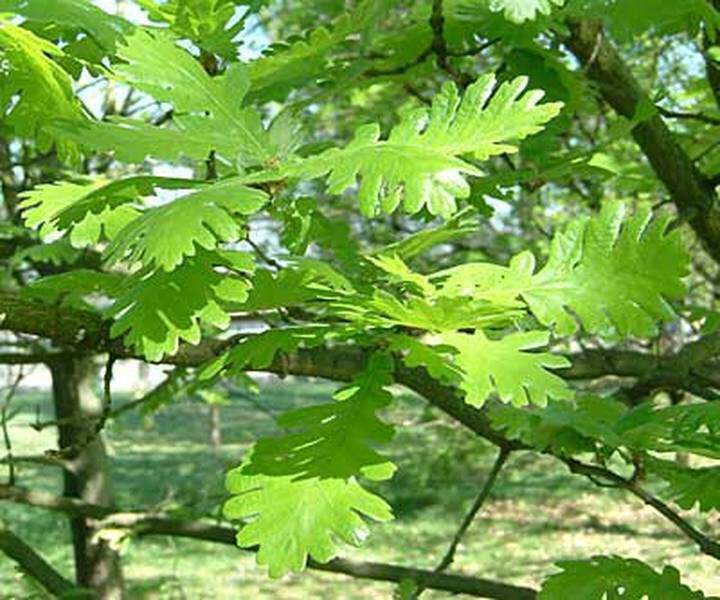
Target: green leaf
(207, 108)
(27, 69)
(132, 141)
(613, 577)
(419, 163)
(166, 235)
(616, 274)
(89, 209)
(688, 487)
(206, 22)
(310, 473)
(417, 354)
(443, 313)
(258, 350)
(105, 29)
(588, 424)
(284, 68)
(519, 11)
(461, 225)
(629, 19)
(74, 287)
(291, 520)
(693, 428)
(287, 287)
(156, 310)
(57, 253)
(508, 368)
(335, 439)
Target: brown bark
(77, 407)
(692, 193)
(34, 565)
(157, 524)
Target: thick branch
(691, 192)
(35, 566)
(82, 331)
(146, 524)
(342, 363)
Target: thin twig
(263, 256)
(482, 496)
(439, 46)
(707, 545)
(676, 114)
(4, 420)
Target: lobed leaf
(290, 520)
(45, 91)
(166, 235)
(156, 310)
(418, 165)
(615, 577)
(616, 274)
(507, 367)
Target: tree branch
(82, 331)
(342, 363)
(449, 556)
(146, 524)
(691, 192)
(36, 566)
(688, 116)
(706, 544)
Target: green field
(538, 512)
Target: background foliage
(507, 207)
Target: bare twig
(439, 46)
(449, 557)
(482, 496)
(676, 114)
(594, 473)
(263, 256)
(4, 411)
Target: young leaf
(205, 106)
(312, 469)
(73, 287)
(132, 141)
(208, 23)
(290, 520)
(27, 68)
(258, 351)
(615, 577)
(588, 424)
(616, 274)
(506, 367)
(106, 29)
(156, 310)
(688, 487)
(419, 163)
(333, 440)
(281, 70)
(519, 11)
(91, 208)
(166, 235)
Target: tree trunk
(97, 565)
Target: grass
(537, 514)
